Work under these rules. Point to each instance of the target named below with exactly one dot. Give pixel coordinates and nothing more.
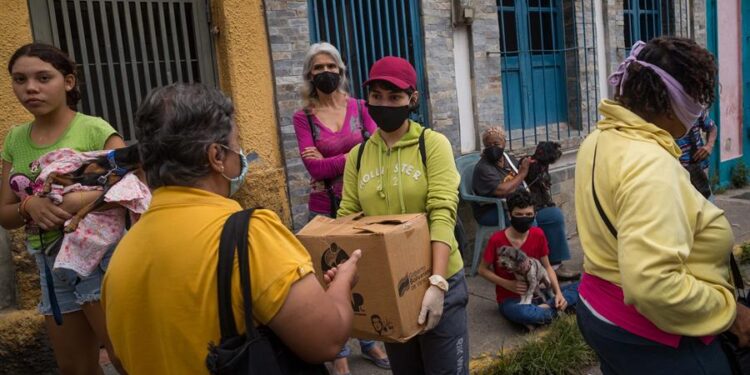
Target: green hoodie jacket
(394, 181)
(671, 253)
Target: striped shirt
(693, 140)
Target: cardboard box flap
(379, 228)
(355, 224)
(384, 219)
(383, 224)
(322, 225)
(349, 218)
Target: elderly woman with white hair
(327, 127)
(498, 174)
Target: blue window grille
(548, 74)
(367, 30)
(643, 19)
(648, 19)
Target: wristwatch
(439, 282)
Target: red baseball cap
(394, 70)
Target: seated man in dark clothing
(497, 175)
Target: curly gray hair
(175, 125)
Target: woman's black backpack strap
(313, 129)
(328, 183)
(423, 148)
(360, 152)
(362, 128)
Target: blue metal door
(367, 30)
(532, 62)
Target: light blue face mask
(236, 183)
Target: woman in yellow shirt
(656, 288)
(160, 294)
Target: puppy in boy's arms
(538, 179)
(66, 174)
(505, 265)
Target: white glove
(432, 307)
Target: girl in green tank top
(44, 81)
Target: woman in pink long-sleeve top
(330, 124)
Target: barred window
(125, 48)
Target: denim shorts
(71, 290)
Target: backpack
(458, 230)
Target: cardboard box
(393, 272)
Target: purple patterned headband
(684, 106)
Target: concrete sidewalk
(736, 205)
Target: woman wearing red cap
(330, 124)
(393, 176)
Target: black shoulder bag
(739, 358)
(259, 350)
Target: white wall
(461, 54)
(601, 51)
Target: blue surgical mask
(236, 183)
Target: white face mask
(236, 182)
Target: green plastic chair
(465, 165)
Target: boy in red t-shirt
(532, 241)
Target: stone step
(7, 272)
(24, 346)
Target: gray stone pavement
(489, 332)
(736, 205)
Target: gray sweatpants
(444, 349)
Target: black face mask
(389, 119)
(327, 82)
(521, 224)
(493, 153)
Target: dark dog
(538, 179)
(104, 171)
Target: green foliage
(739, 174)
(716, 188)
(744, 253)
(561, 350)
(714, 180)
